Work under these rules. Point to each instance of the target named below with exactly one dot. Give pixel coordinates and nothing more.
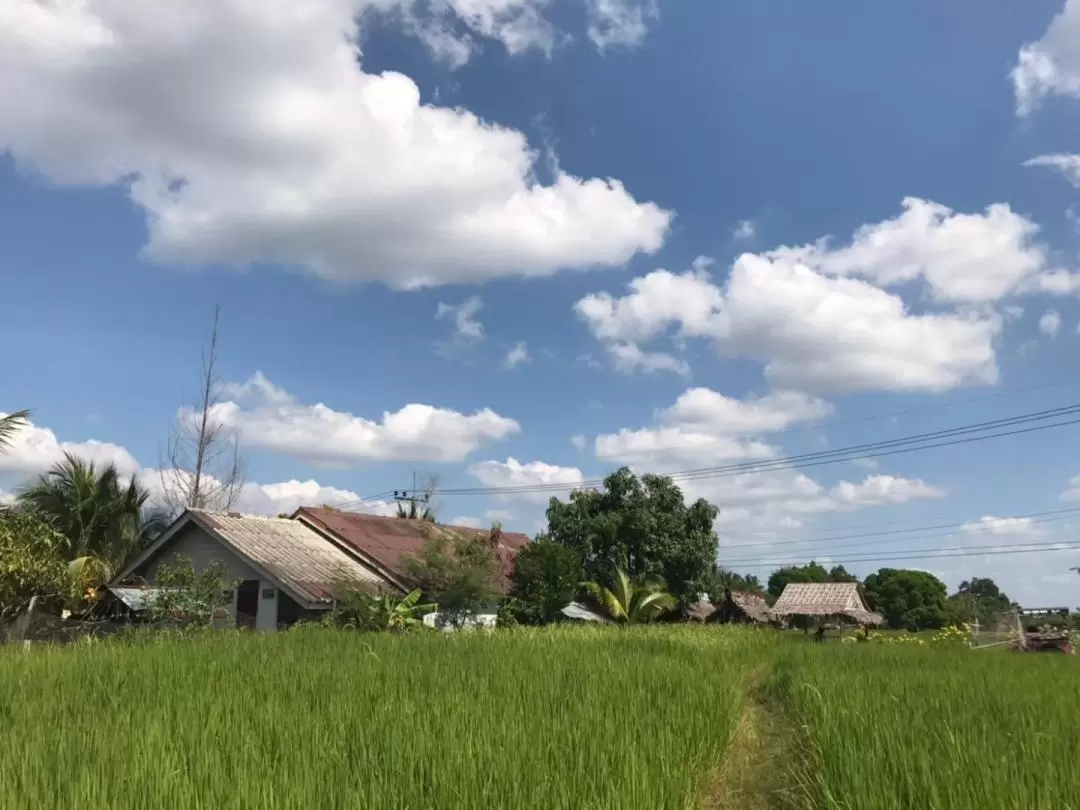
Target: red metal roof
(388, 540)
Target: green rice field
(557, 718)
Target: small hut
(741, 607)
(825, 600)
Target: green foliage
(840, 574)
(414, 512)
(357, 610)
(811, 572)
(980, 598)
(642, 526)
(185, 596)
(546, 577)
(913, 600)
(457, 572)
(99, 516)
(632, 603)
(29, 563)
(11, 424)
(724, 580)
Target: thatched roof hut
(824, 600)
(741, 607)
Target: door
(247, 603)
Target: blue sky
(522, 242)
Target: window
(268, 593)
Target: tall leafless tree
(202, 467)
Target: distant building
(292, 568)
(741, 607)
(824, 600)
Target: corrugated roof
(576, 610)
(298, 557)
(823, 599)
(389, 540)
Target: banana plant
(631, 603)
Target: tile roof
(389, 540)
(295, 555)
(823, 599)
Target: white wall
(202, 549)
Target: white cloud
(578, 441)
(1068, 165)
(1072, 491)
(468, 331)
(723, 415)
(288, 496)
(882, 490)
(1050, 323)
(34, 449)
(811, 330)
(628, 357)
(1051, 65)
(512, 473)
(318, 433)
(1017, 528)
(619, 23)
(969, 258)
(705, 427)
(745, 230)
(248, 133)
(865, 463)
(466, 521)
(518, 354)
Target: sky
(517, 243)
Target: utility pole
(410, 497)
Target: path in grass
(758, 771)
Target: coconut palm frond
(10, 425)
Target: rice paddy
(558, 718)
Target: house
(741, 607)
(292, 568)
(285, 571)
(824, 600)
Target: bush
(546, 577)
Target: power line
(1034, 517)
(916, 554)
(963, 434)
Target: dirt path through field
(759, 769)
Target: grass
(560, 718)
(575, 718)
(888, 727)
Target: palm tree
(632, 603)
(99, 516)
(10, 425)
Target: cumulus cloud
(1051, 65)
(578, 441)
(512, 473)
(268, 418)
(811, 330)
(1050, 323)
(248, 133)
(882, 490)
(34, 449)
(1067, 165)
(967, 258)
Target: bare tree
(202, 467)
